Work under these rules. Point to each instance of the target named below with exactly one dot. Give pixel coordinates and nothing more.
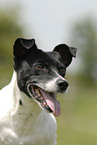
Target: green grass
(6, 71)
(77, 124)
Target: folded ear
(66, 53)
(22, 46)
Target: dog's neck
(25, 110)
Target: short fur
(27, 103)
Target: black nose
(62, 84)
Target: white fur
(26, 124)
(51, 86)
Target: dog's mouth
(46, 100)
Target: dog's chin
(46, 100)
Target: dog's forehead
(49, 57)
(40, 56)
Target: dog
(28, 105)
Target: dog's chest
(32, 131)
(42, 131)
(24, 124)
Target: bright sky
(50, 21)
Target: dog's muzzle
(46, 100)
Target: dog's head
(40, 74)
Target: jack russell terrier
(28, 103)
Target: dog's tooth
(42, 98)
(39, 94)
(37, 91)
(36, 97)
(43, 103)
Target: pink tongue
(52, 103)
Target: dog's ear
(22, 46)
(66, 53)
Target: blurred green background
(77, 124)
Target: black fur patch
(20, 102)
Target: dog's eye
(62, 71)
(39, 66)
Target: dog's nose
(62, 84)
